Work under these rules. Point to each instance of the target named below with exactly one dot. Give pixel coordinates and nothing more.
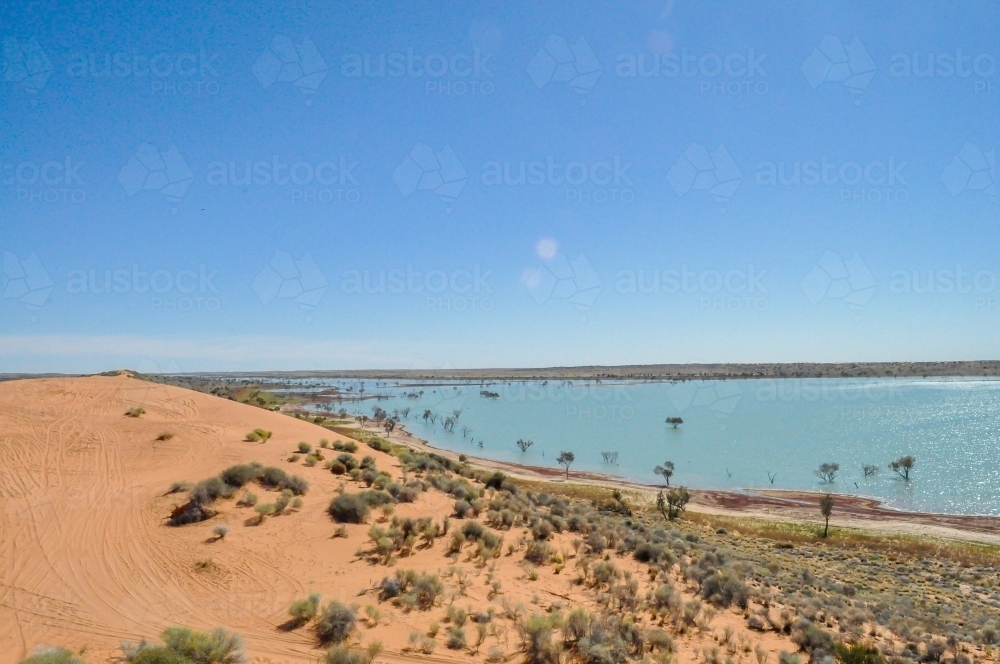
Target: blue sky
(701, 182)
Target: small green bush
(258, 436)
(52, 656)
(336, 623)
(159, 655)
(215, 647)
(240, 474)
(379, 445)
(304, 610)
(348, 508)
(538, 552)
(135, 412)
(305, 447)
(857, 653)
(456, 638)
(344, 655)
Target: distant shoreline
(708, 371)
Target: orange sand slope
(85, 557)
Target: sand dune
(85, 557)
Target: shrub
(725, 587)
(221, 531)
(375, 498)
(542, 530)
(336, 623)
(305, 448)
(495, 481)
(304, 610)
(420, 590)
(239, 475)
(456, 638)
(248, 499)
(379, 445)
(166, 435)
(215, 647)
(52, 656)
(857, 653)
(348, 508)
(157, 655)
(538, 552)
(344, 655)
(402, 493)
(258, 436)
(279, 479)
(390, 588)
(348, 460)
(338, 468)
(463, 508)
(660, 640)
(264, 509)
(208, 491)
(538, 645)
(647, 552)
(812, 638)
(135, 412)
(177, 487)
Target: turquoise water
(735, 432)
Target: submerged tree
(827, 472)
(902, 466)
(869, 470)
(674, 421)
(523, 445)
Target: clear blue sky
(398, 184)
